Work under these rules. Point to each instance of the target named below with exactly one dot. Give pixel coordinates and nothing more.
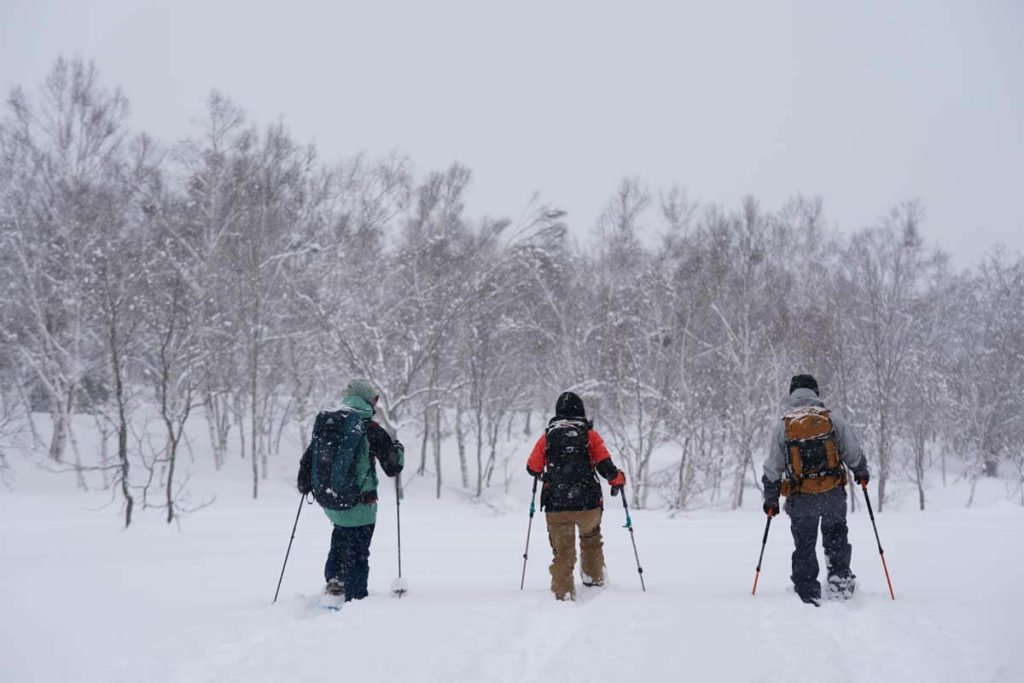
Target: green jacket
(363, 513)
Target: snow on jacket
(849, 448)
(600, 459)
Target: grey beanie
(363, 388)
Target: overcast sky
(863, 103)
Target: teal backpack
(338, 441)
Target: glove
(304, 481)
(618, 482)
(862, 477)
(531, 472)
(772, 489)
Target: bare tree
(887, 272)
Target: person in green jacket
(347, 569)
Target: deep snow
(83, 600)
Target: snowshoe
(841, 587)
(331, 603)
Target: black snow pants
(349, 559)
(805, 512)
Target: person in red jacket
(567, 456)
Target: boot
(810, 594)
(334, 586)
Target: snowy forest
(236, 280)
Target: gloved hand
(618, 482)
(304, 481)
(862, 477)
(532, 473)
(772, 489)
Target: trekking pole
(529, 527)
(629, 525)
(764, 542)
(302, 499)
(398, 585)
(881, 553)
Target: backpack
(336, 446)
(814, 463)
(569, 482)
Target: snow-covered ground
(83, 600)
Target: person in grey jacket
(806, 457)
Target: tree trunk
(492, 443)
(211, 428)
(974, 485)
(919, 469)
(479, 450)
(883, 456)
(437, 449)
(122, 428)
(426, 440)
(460, 438)
(240, 422)
(254, 431)
(681, 487)
(172, 456)
(60, 416)
(104, 449)
(77, 452)
(254, 392)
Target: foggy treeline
(237, 280)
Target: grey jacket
(849, 448)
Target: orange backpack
(814, 463)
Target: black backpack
(569, 481)
(336, 446)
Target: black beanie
(569, 405)
(803, 382)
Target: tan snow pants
(562, 534)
